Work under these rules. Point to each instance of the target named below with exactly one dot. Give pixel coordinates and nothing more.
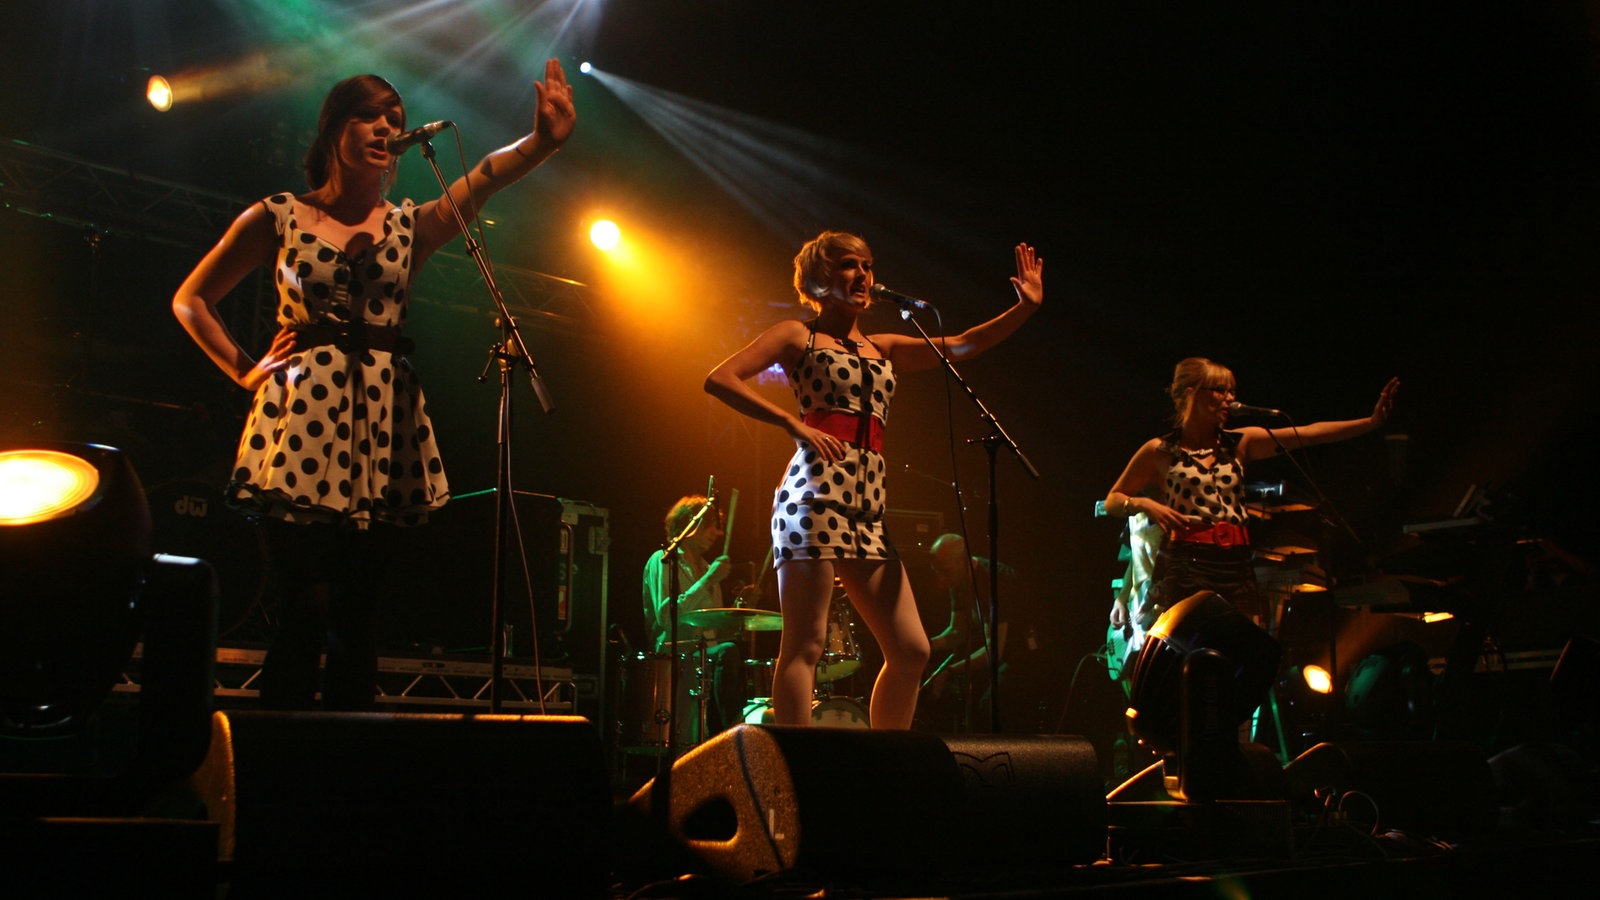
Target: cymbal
(733, 619)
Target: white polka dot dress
(341, 434)
(827, 510)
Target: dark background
(1319, 197)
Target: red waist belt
(1221, 534)
(848, 427)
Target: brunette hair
(338, 108)
(681, 512)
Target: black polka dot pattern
(340, 436)
(835, 511)
(1212, 490)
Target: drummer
(699, 586)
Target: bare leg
(881, 594)
(805, 590)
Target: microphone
(400, 143)
(1245, 409)
(879, 292)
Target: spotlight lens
(159, 93)
(38, 485)
(584, 67)
(1317, 679)
(605, 234)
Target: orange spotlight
(159, 93)
(252, 73)
(40, 485)
(1317, 679)
(605, 235)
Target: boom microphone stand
(508, 353)
(992, 442)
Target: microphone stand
(996, 438)
(507, 353)
(661, 792)
(1332, 519)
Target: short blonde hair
(1190, 375)
(813, 265)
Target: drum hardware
(841, 657)
(190, 517)
(644, 702)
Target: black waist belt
(352, 338)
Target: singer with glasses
(338, 445)
(827, 514)
(1190, 482)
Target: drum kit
(644, 714)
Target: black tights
(327, 580)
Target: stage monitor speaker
(370, 804)
(1443, 789)
(757, 800)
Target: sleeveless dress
(341, 434)
(835, 510)
(1215, 493)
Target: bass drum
(830, 712)
(190, 518)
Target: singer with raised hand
(827, 513)
(338, 445)
(1190, 483)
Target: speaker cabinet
(371, 804)
(756, 800)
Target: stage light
(1317, 679)
(74, 551)
(584, 67)
(1304, 706)
(159, 92)
(605, 235)
(1203, 670)
(249, 74)
(1389, 696)
(39, 485)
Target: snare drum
(840, 655)
(830, 712)
(644, 690)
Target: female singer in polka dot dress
(828, 510)
(1190, 483)
(338, 438)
